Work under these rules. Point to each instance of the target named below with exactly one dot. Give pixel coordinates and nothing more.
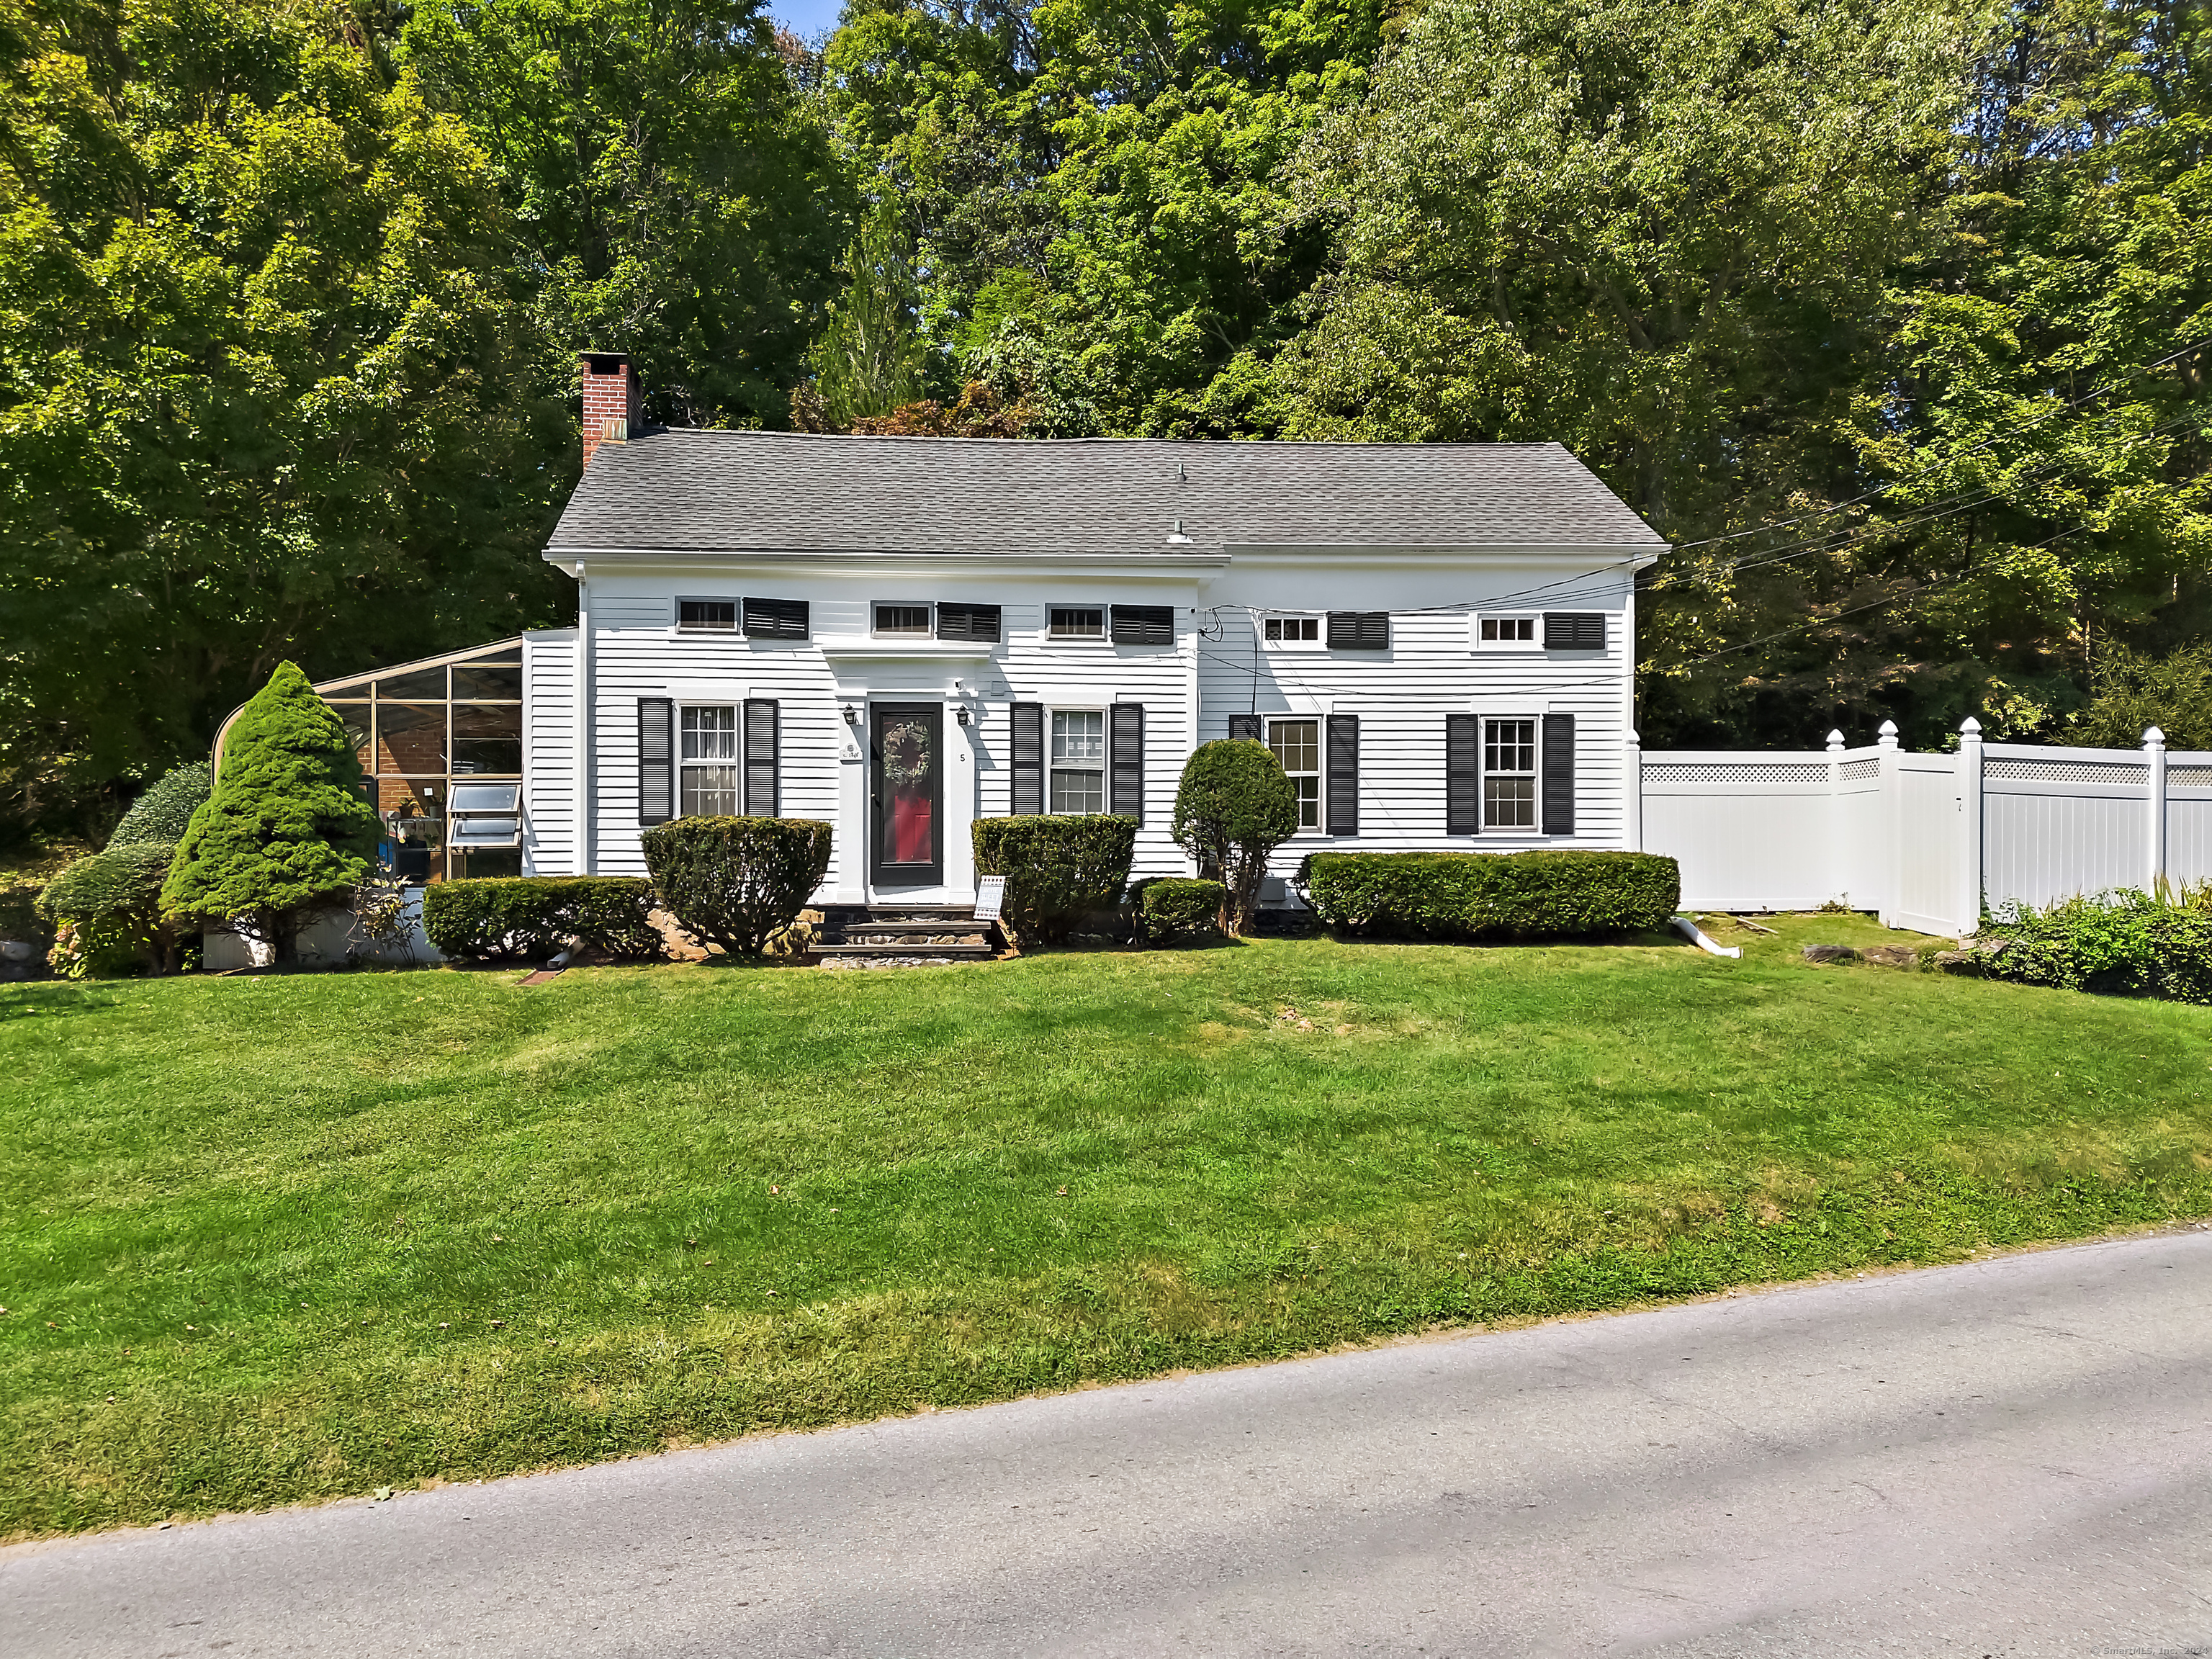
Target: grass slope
(271, 1239)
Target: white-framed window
(1077, 782)
(1075, 622)
(1509, 632)
(707, 760)
(1509, 774)
(901, 620)
(1297, 743)
(1288, 632)
(706, 615)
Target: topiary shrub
(1175, 911)
(509, 918)
(164, 810)
(286, 831)
(106, 912)
(1470, 895)
(736, 882)
(1233, 808)
(1059, 868)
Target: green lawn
(265, 1239)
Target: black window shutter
(1574, 630)
(1558, 759)
(1344, 774)
(764, 760)
(1359, 630)
(1128, 760)
(656, 760)
(1245, 727)
(1462, 776)
(1144, 625)
(1028, 758)
(967, 622)
(776, 619)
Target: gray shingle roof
(746, 491)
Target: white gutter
(1685, 926)
(581, 855)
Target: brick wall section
(612, 407)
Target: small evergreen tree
(286, 831)
(1233, 808)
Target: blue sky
(804, 17)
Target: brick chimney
(612, 407)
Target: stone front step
(905, 930)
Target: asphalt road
(2010, 1458)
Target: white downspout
(583, 744)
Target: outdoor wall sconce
(961, 715)
(852, 715)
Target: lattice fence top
(1735, 772)
(1853, 771)
(2124, 772)
(2189, 777)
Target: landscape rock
(1830, 953)
(1892, 956)
(1958, 962)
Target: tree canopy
(1891, 315)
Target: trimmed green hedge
(1175, 910)
(161, 813)
(528, 918)
(1472, 895)
(736, 882)
(1059, 868)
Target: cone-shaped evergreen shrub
(286, 832)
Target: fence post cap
(2153, 737)
(1887, 735)
(1634, 740)
(1835, 739)
(1971, 729)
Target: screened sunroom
(440, 742)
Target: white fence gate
(1924, 840)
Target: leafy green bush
(107, 909)
(2123, 943)
(286, 831)
(1467, 895)
(1175, 911)
(1059, 868)
(508, 918)
(736, 882)
(1233, 808)
(164, 811)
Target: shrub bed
(1059, 869)
(519, 918)
(106, 912)
(2117, 944)
(736, 882)
(1473, 895)
(1174, 910)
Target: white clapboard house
(900, 635)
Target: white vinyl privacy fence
(1924, 840)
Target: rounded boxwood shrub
(1472, 895)
(736, 882)
(1233, 808)
(286, 832)
(1059, 868)
(513, 918)
(164, 811)
(1175, 910)
(106, 912)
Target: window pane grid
(1075, 624)
(1078, 758)
(1509, 780)
(902, 619)
(1296, 744)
